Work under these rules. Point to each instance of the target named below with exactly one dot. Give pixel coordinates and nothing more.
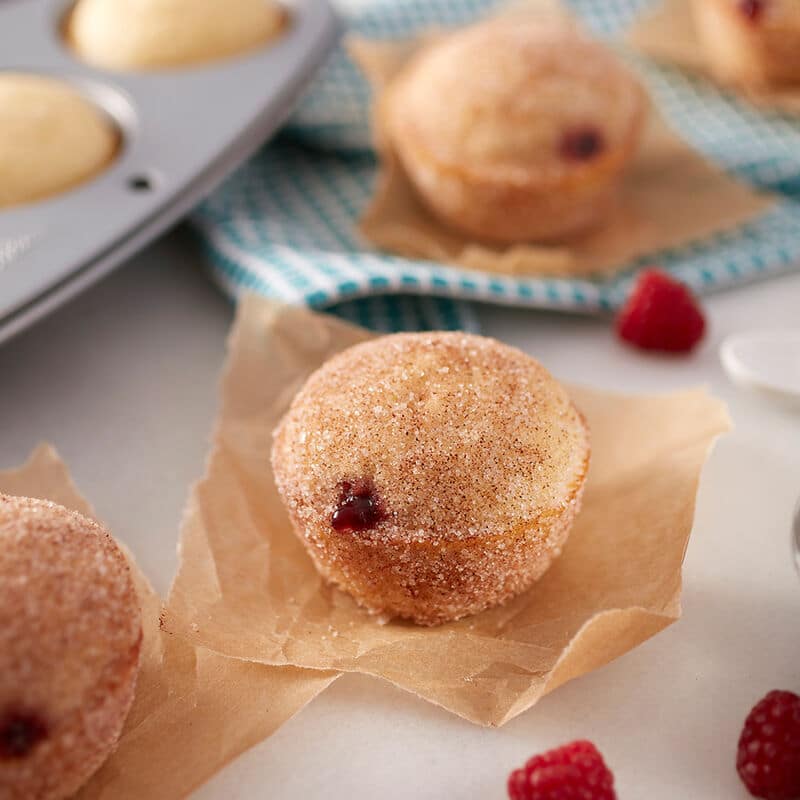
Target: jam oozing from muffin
(20, 732)
(581, 144)
(358, 509)
(752, 9)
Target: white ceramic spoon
(768, 360)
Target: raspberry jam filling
(752, 9)
(582, 144)
(20, 732)
(358, 509)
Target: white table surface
(123, 381)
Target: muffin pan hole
(141, 183)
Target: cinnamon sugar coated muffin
(70, 634)
(154, 34)
(51, 138)
(516, 129)
(751, 42)
(431, 475)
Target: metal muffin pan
(183, 130)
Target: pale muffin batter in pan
(51, 138)
(154, 34)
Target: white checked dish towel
(284, 223)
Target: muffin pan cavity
(180, 132)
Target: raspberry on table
(768, 758)
(661, 314)
(575, 771)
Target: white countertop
(123, 381)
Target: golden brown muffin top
(516, 96)
(433, 436)
(70, 625)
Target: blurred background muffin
(516, 129)
(751, 42)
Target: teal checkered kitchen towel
(284, 224)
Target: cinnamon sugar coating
(476, 458)
(482, 120)
(70, 634)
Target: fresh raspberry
(661, 314)
(575, 771)
(768, 759)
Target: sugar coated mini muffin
(51, 138)
(153, 34)
(517, 129)
(751, 42)
(431, 475)
(70, 634)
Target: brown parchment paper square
(194, 710)
(669, 197)
(246, 588)
(667, 33)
